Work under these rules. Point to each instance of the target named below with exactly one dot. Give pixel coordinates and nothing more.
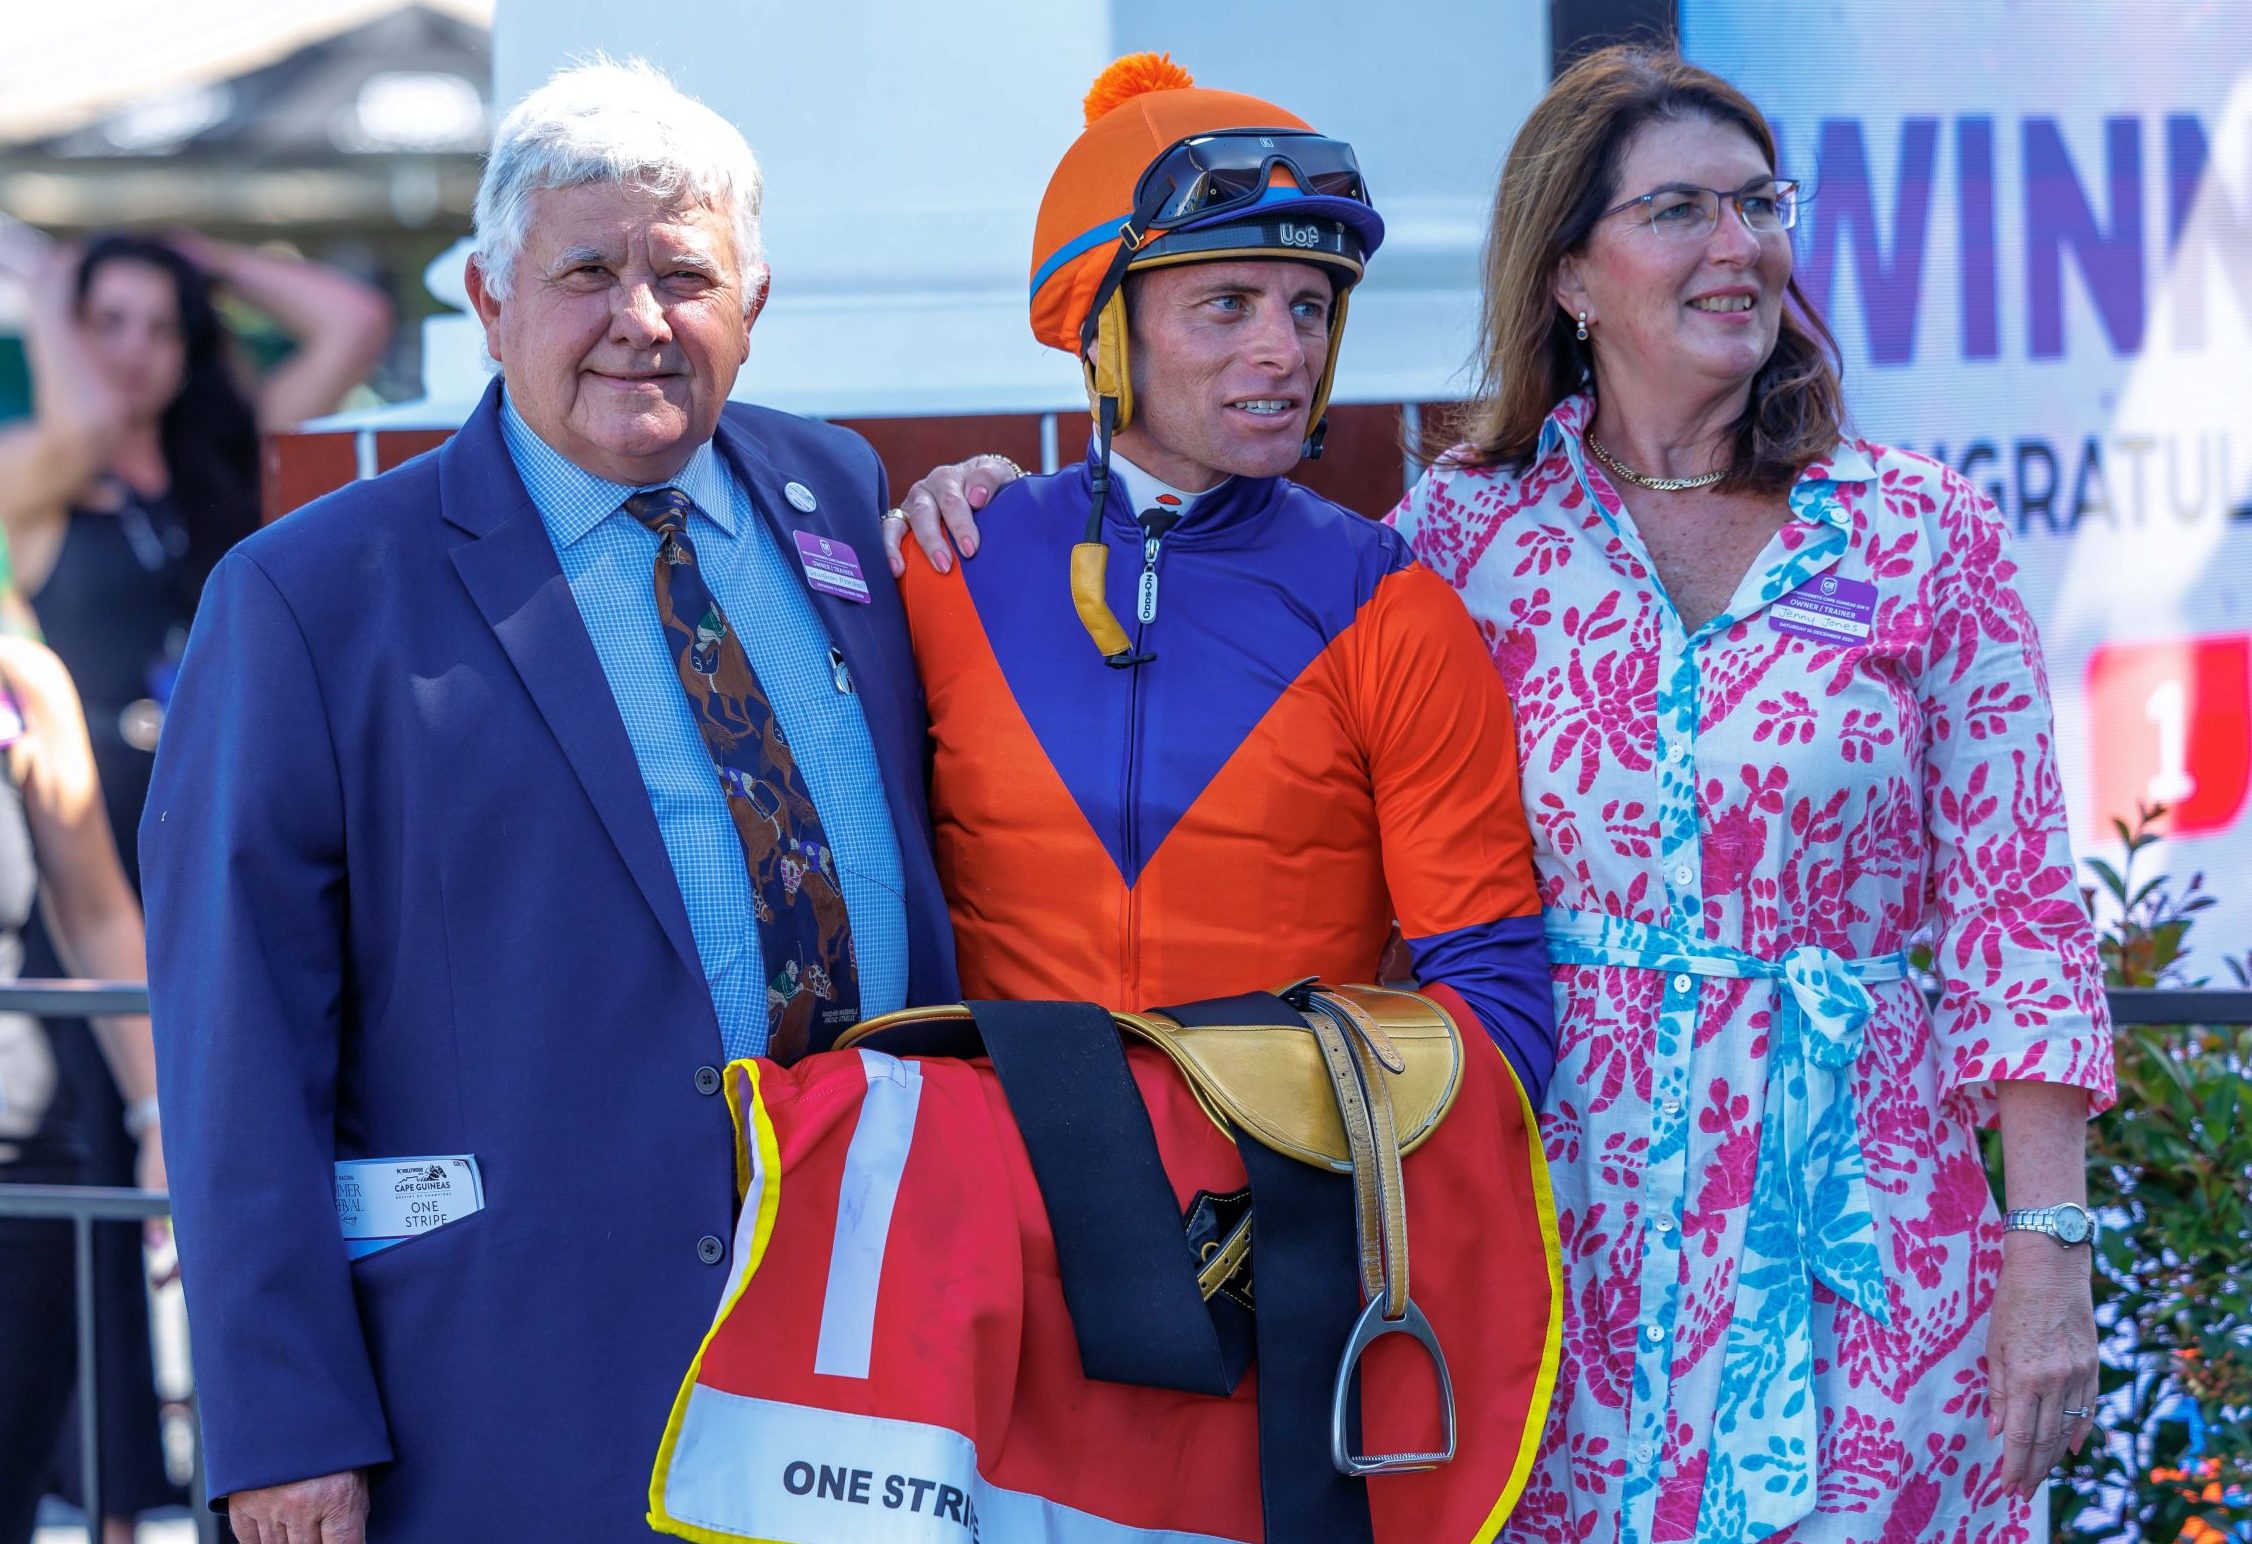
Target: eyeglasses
(1211, 173)
(1679, 212)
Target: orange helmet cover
(1138, 108)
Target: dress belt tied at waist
(1809, 1216)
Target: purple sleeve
(1501, 970)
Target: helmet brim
(1362, 220)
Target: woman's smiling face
(1681, 314)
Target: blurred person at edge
(55, 842)
(138, 468)
(136, 471)
(441, 861)
(1779, 711)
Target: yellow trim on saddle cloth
(747, 1108)
(743, 1099)
(1552, 1352)
(1407, 1023)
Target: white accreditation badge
(386, 1201)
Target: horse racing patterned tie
(812, 973)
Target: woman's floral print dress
(1780, 1248)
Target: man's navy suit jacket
(407, 896)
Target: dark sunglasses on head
(1212, 173)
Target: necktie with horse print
(813, 975)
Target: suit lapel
(872, 639)
(843, 620)
(884, 680)
(512, 575)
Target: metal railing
(2179, 1005)
(82, 1206)
(85, 1205)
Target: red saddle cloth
(893, 1361)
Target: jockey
(1196, 729)
(1197, 732)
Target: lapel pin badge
(800, 497)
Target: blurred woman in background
(139, 466)
(138, 469)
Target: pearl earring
(1583, 327)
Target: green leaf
(2171, 1166)
(2109, 875)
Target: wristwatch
(2067, 1224)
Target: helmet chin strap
(1319, 411)
(1104, 344)
(1090, 558)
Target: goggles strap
(1319, 410)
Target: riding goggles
(1210, 174)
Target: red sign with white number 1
(2171, 724)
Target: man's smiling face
(623, 328)
(1225, 357)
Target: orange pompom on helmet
(1170, 172)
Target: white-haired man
(503, 798)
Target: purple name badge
(831, 566)
(1827, 610)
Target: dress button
(1681, 875)
(1652, 1334)
(1681, 982)
(1663, 1224)
(1670, 1105)
(1680, 751)
(707, 1080)
(709, 1249)
(1642, 1452)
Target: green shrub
(2170, 1171)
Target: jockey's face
(1225, 359)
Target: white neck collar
(1144, 491)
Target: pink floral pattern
(1762, 790)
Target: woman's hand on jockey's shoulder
(941, 505)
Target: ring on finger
(895, 513)
(2073, 1413)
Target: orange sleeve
(1441, 743)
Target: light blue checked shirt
(609, 559)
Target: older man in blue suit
(504, 798)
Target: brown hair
(1561, 175)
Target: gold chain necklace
(1656, 484)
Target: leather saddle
(1324, 1090)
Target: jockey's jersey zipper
(1156, 525)
(1145, 595)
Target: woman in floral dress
(1779, 709)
